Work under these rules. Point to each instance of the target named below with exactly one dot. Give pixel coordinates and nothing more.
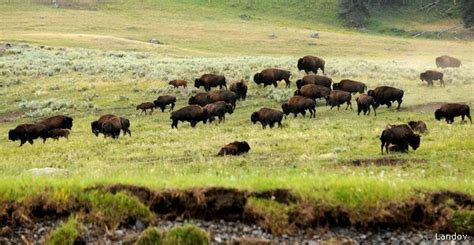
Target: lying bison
(200, 99)
(226, 96)
(400, 135)
(385, 95)
(338, 97)
(314, 79)
(364, 102)
(178, 83)
(313, 91)
(209, 81)
(218, 109)
(311, 63)
(299, 104)
(28, 132)
(164, 100)
(190, 113)
(430, 76)
(239, 88)
(272, 76)
(59, 121)
(447, 61)
(451, 110)
(146, 106)
(97, 126)
(418, 127)
(267, 116)
(350, 86)
(235, 148)
(58, 133)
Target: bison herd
(209, 105)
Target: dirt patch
(278, 195)
(428, 107)
(10, 116)
(385, 161)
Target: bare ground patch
(10, 116)
(427, 107)
(384, 161)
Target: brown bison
(235, 148)
(210, 80)
(218, 109)
(418, 127)
(239, 88)
(267, 116)
(350, 86)
(314, 79)
(227, 96)
(97, 126)
(59, 121)
(447, 61)
(313, 91)
(200, 99)
(28, 132)
(58, 133)
(400, 135)
(311, 63)
(190, 113)
(452, 110)
(178, 83)
(146, 106)
(272, 76)
(364, 102)
(164, 100)
(299, 104)
(338, 97)
(112, 127)
(385, 95)
(429, 76)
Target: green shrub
(150, 236)
(463, 221)
(186, 235)
(66, 234)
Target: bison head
(68, 122)
(95, 128)
(257, 78)
(254, 117)
(300, 64)
(422, 76)
(243, 146)
(286, 108)
(157, 103)
(299, 83)
(171, 82)
(12, 135)
(229, 108)
(413, 124)
(192, 100)
(336, 86)
(371, 93)
(438, 114)
(197, 83)
(414, 141)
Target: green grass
(65, 234)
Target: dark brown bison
(223, 95)
(58, 133)
(146, 106)
(272, 76)
(218, 109)
(190, 113)
(418, 127)
(59, 121)
(311, 63)
(401, 136)
(267, 116)
(447, 61)
(210, 80)
(338, 97)
(350, 86)
(364, 102)
(200, 99)
(313, 91)
(164, 100)
(385, 95)
(178, 83)
(430, 76)
(97, 126)
(314, 79)
(235, 148)
(451, 110)
(28, 132)
(299, 104)
(112, 127)
(239, 88)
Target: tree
(467, 13)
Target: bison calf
(338, 97)
(364, 102)
(452, 110)
(178, 83)
(234, 148)
(164, 100)
(430, 76)
(267, 116)
(146, 106)
(299, 104)
(190, 113)
(58, 133)
(400, 135)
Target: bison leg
(264, 125)
(469, 116)
(288, 83)
(22, 142)
(275, 84)
(272, 124)
(30, 141)
(441, 83)
(382, 145)
(151, 110)
(375, 112)
(399, 103)
(338, 106)
(193, 123)
(174, 124)
(172, 106)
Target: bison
(311, 63)
(178, 83)
(164, 100)
(28, 132)
(451, 110)
(227, 96)
(239, 88)
(272, 76)
(190, 113)
(235, 148)
(218, 109)
(146, 106)
(314, 79)
(447, 61)
(97, 126)
(200, 99)
(418, 127)
(267, 116)
(313, 91)
(429, 76)
(400, 135)
(299, 104)
(385, 95)
(350, 86)
(112, 127)
(210, 80)
(59, 121)
(338, 97)
(58, 133)
(364, 102)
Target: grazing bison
(57, 122)
(313, 91)
(364, 102)
(163, 101)
(385, 95)
(429, 76)
(447, 61)
(200, 99)
(112, 127)
(418, 127)
(299, 104)
(350, 86)
(311, 63)
(190, 113)
(28, 132)
(452, 110)
(338, 97)
(227, 96)
(146, 106)
(218, 109)
(210, 80)
(235, 148)
(58, 133)
(178, 83)
(267, 116)
(314, 79)
(272, 76)
(240, 88)
(400, 135)
(97, 126)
